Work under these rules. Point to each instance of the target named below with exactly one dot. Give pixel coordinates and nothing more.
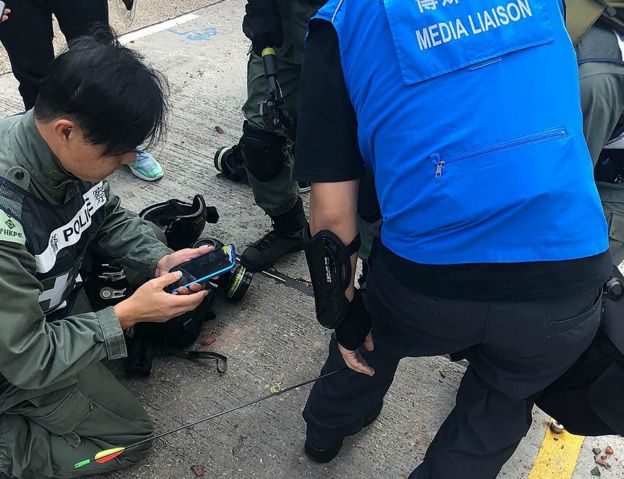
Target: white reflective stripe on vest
(70, 233)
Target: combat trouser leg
(279, 194)
(602, 100)
(45, 436)
(79, 18)
(28, 42)
(338, 406)
(269, 163)
(479, 435)
(515, 350)
(612, 196)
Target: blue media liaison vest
(469, 117)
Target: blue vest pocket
(499, 190)
(435, 37)
(441, 161)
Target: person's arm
(328, 156)
(34, 353)
(333, 207)
(127, 239)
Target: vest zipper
(439, 165)
(533, 137)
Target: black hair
(118, 101)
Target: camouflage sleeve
(126, 238)
(35, 353)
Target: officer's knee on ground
(263, 152)
(142, 430)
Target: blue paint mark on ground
(197, 35)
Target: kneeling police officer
(58, 402)
(493, 244)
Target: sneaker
(286, 237)
(304, 186)
(229, 161)
(326, 454)
(146, 167)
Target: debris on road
(198, 470)
(208, 341)
(276, 388)
(596, 451)
(603, 463)
(609, 450)
(219, 130)
(595, 472)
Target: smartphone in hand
(207, 266)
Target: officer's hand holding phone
(152, 303)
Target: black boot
(327, 452)
(229, 161)
(285, 237)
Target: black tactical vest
(57, 236)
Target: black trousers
(27, 35)
(515, 350)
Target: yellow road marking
(557, 457)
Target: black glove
(263, 25)
(357, 324)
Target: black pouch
(610, 166)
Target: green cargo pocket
(612, 197)
(60, 413)
(615, 220)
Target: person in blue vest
(493, 246)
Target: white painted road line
(159, 27)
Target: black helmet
(181, 222)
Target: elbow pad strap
(329, 261)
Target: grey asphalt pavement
(272, 336)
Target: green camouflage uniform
(58, 403)
(601, 70)
(280, 194)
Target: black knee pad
(263, 152)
